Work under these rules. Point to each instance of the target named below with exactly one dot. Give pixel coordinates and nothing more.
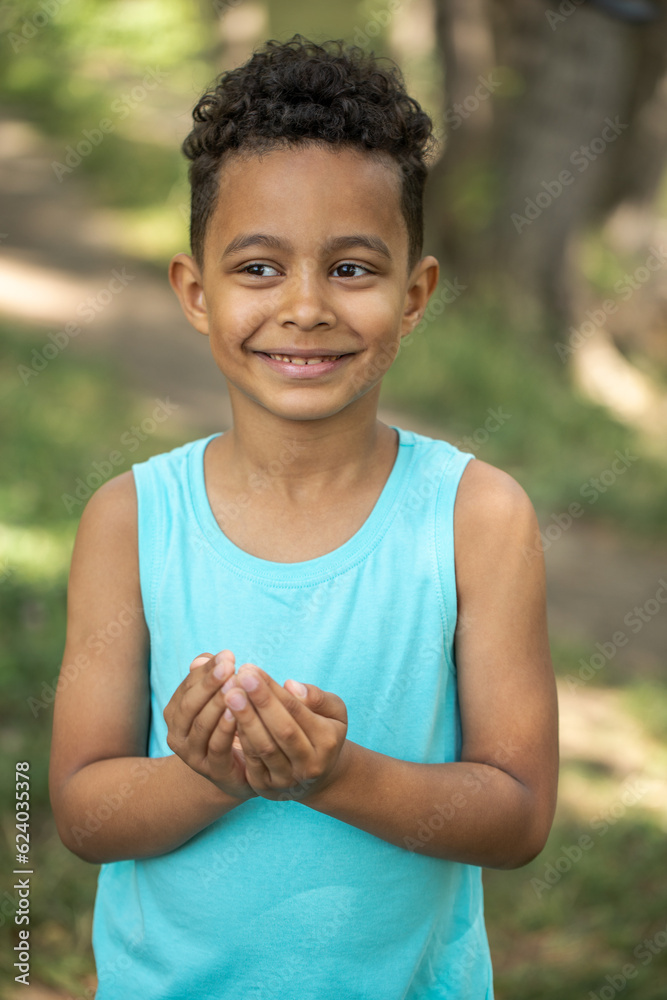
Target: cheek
(375, 313)
(237, 317)
(382, 326)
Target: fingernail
(223, 665)
(228, 715)
(237, 700)
(300, 689)
(249, 680)
(228, 684)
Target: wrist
(221, 796)
(210, 793)
(238, 798)
(323, 796)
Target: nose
(304, 300)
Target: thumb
(324, 703)
(296, 688)
(200, 660)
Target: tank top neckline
(309, 571)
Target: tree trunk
(574, 123)
(574, 110)
(453, 221)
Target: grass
(560, 941)
(572, 917)
(648, 703)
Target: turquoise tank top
(276, 901)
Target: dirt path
(53, 256)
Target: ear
(422, 283)
(186, 280)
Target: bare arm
(110, 801)
(495, 807)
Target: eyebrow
(332, 245)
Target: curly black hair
(301, 92)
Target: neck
(306, 459)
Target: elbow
(77, 833)
(77, 839)
(525, 846)
(515, 856)
(522, 855)
(528, 834)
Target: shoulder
(486, 491)
(114, 510)
(498, 555)
(492, 511)
(111, 513)
(116, 502)
(105, 562)
(117, 499)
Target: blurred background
(543, 351)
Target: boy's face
(306, 251)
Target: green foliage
(87, 63)
(63, 421)
(69, 67)
(554, 933)
(354, 20)
(137, 65)
(66, 418)
(464, 366)
(648, 703)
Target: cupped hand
(198, 734)
(293, 744)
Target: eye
(354, 267)
(261, 267)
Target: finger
(257, 773)
(224, 665)
(323, 703)
(226, 656)
(211, 734)
(297, 688)
(261, 748)
(317, 701)
(196, 690)
(200, 660)
(219, 741)
(308, 712)
(265, 721)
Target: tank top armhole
(443, 534)
(150, 528)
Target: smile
(299, 367)
(303, 361)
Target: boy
(319, 829)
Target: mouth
(303, 365)
(297, 359)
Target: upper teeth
(303, 361)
